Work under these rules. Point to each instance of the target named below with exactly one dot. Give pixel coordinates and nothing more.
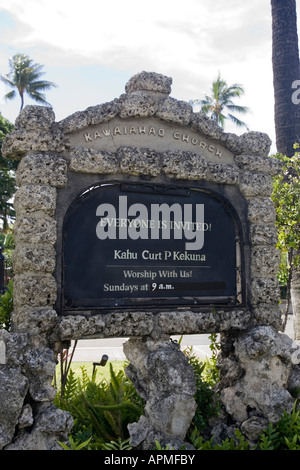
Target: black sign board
(141, 245)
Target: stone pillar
(28, 358)
(165, 380)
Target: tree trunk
(286, 69)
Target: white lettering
(296, 94)
(117, 131)
(134, 222)
(110, 233)
(87, 137)
(188, 139)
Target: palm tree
(285, 62)
(24, 77)
(220, 101)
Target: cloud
(190, 41)
(126, 34)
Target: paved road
(91, 350)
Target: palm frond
(220, 100)
(237, 121)
(25, 76)
(10, 95)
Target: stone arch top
(147, 96)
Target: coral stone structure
(144, 137)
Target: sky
(91, 48)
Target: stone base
(165, 380)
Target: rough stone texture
(257, 363)
(40, 168)
(259, 164)
(178, 164)
(13, 389)
(26, 394)
(33, 228)
(49, 427)
(92, 161)
(256, 184)
(38, 258)
(35, 290)
(20, 142)
(165, 380)
(149, 81)
(258, 387)
(33, 198)
(139, 161)
(35, 117)
(138, 104)
(175, 111)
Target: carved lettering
(154, 131)
(88, 137)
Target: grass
(102, 373)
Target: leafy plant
(74, 445)
(64, 358)
(158, 446)
(286, 198)
(205, 397)
(237, 443)
(117, 445)
(6, 307)
(211, 372)
(285, 434)
(101, 410)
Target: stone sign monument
(139, 218)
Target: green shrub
(206, 375)
(102, 410)
(6, 307)
(284, 435)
